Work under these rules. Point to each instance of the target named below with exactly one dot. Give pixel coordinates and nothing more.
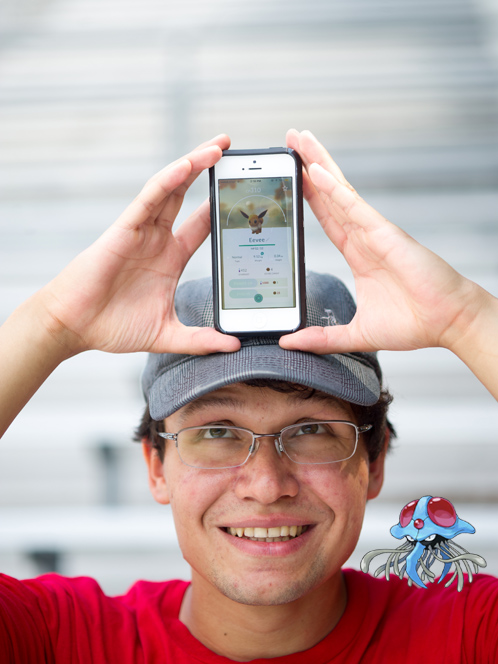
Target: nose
(268, 475)
(276, 441)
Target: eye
(431, 538)
(410, 539)
(310, 428)
(218, 432)
(406, 513)
(441, 512)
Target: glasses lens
(214, 446)
(320, 442)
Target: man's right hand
(118, 295)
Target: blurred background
(97, 95)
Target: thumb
(182, 339)
(324, 340)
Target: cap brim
(347, 377)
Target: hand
(407, 297)
(118, 295)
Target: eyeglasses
(216, 447)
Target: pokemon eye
(406, 513)
(441, 512)
(431, 538)
(410, 539)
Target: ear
(262, 214)
(157, 482)
(244, 214)
(376, 470)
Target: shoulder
(395, 592)
(53, 589)
(57, 614)
(395, 612)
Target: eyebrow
(208, 401)
(333, 401)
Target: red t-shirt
(56, 619)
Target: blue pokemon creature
(429, 526)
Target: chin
(269, 592)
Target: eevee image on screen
(255, 220)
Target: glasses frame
(277, 439)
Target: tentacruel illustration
(429, 526)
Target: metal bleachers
(95, 96)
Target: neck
(242, 632)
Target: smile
(276, 534)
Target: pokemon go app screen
(257, 243)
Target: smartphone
(257, 240)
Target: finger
(164, 194)
(146, 204)
(315, 152)
(310, 193)
(292, 139)
(321, 210)
(318, 201)
(194, 230)
(352, 207)
(324, 340)
(312, 151)
(200, 160)
(178, 338)
(222, 141)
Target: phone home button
(259, 321)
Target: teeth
(279, 533)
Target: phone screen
(257, 243)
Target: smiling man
(267, 452)
(267, 468)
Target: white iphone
(258, 242)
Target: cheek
(192, 493)
(342, 487)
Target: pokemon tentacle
(428, 525)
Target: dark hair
(375, 415)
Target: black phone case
(301, 278)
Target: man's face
(267, 492)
